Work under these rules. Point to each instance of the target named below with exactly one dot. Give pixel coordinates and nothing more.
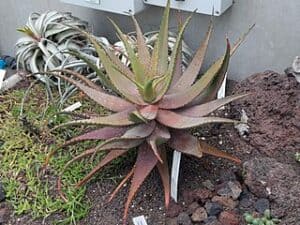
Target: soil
(273, 109)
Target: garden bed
(211, 190)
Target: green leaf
(149, 93)
(136, 65)
(143, 53)
(159, 59)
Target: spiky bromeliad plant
(155, 106)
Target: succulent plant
(46, 38)
(266, 219)
(155, 106)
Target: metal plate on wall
(116, 6)
(202, 6)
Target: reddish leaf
(178, 68)
(145, 163)
(163, 170)
(117, 73)
(177, 121)
(116, 119)
(210, 150)
(209, 107)
(110, 102)
(159, 136)
(81, 77)
(149, 112)
(190, 74)
(241, 39)
(186, 143)
(99, 134)
(80, 156)
(165, 81)
(131, 138)
(121, 184)
(215, 72)
(107, 159)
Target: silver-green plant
(44, 42)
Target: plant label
(175, 174)
(73, 107)
(140, 220)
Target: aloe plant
(155, 106)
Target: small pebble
(261, 205)
(184, 219)
(213, 208)
(199, 215)
(209, 185)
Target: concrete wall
(272, 44)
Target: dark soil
(274, 119)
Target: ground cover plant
(24, 144)
(155, 105)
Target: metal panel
(116, 6)
(202, 6)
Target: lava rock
(265, 177)
(199, 215)
(184, 219)
(209, 185)
(246, 199)
(3, 215)
(261, 205)
(230, 189)
(227, 175)
(192, 207)
(229, 218)
(173, 210)
(213, 208)
(2, 193)
(202, 194)
(171, 221)
(212, 220)
(228, 203)
(188, 196)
